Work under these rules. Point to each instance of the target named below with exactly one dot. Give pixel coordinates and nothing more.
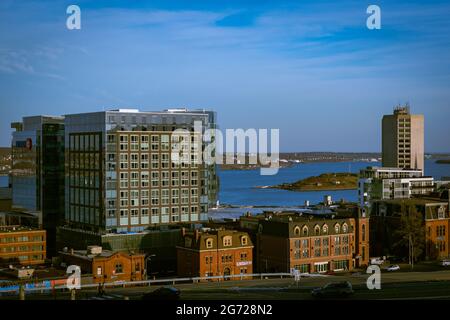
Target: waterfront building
(219, 252)
(309, 243)
(377, 183)
(22, 246)
(37, 174)
(105, 265)
(122, 173)
(403, 139)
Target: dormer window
(344, 228)
(317, 230)
(305, 231)
(337, 228)
(325, 229)
(227, 241)
(209, 243)
(297, 230)
(244, 240)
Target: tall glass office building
(123, 173)
(37, 174)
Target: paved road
(396, 285)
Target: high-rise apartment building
(37, 174)
(403, 139)
(124, 172)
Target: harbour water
(3, 181)
(237, 187)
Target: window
(144, 143)
(164, 178)
(164, 143)
(209, 243)
(124, 180)
(325, 229)
(337, 228)
(155, 161)
(165, 196)
(134, 143)
(184, 178)
(134, 181)
(297, 231)
(134, 198)
(123, 161)
(317, 230)
(155, 197)
(344, 228)
(124, 143)
(305, 231)
(144, 179)
(227, 241)
(118, 268)
(155, 178)
(144, 161)
(134, 163)
(165, 161)
(363, 232)
(244, 240)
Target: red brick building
(215, 253)
(105, 265)
(22, 245)
(385, 220)
(309, 243)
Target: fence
(123, 284)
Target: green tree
(411, 232)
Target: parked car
(444, 263)
(333, 290)
(394, 267)
(163, 293)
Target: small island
(324, 182)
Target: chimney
(197, 234)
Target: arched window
(297, 230)
(317, 230)
(337, 228)
(209, 243)
(325, 229)
(344, 228)
(363, 232)
(305, 231)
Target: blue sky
(310, 68)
